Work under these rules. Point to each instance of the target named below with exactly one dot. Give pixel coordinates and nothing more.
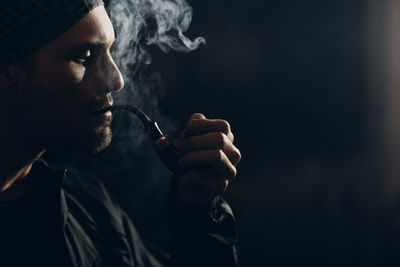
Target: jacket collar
(49, 181)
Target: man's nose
(112, 80)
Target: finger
(203, 126)
(197, 116)
(215, 159)
(209, 141)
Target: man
(56, 72)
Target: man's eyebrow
(87, 46)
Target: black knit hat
(27, 25)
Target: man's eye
(83, 57)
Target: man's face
(73, 77)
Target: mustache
(97, 104)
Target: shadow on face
(66, 81)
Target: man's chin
(103, 140)
(95, 141)
(82, 142)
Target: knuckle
(232, 173)
(220, 139)
(219, 155)
(237, 156)
(194, 119)
(232, 137)
(226, 127)
(197, 115)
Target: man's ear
(6, 80)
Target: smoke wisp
(150, 22)
(139, 24)
(142, 23)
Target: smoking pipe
(165, 148)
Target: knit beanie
(28, 25)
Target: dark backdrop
(290, 78)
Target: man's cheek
(74, 73)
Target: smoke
(150, 22)
(142, 23)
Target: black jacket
(70, 220)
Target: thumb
(197, 116)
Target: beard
(59, 121)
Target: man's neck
(12, 183)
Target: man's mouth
(102, 115)
(103, 110)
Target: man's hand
(209, 157)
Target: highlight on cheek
(76, 72)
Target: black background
(290, 78)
